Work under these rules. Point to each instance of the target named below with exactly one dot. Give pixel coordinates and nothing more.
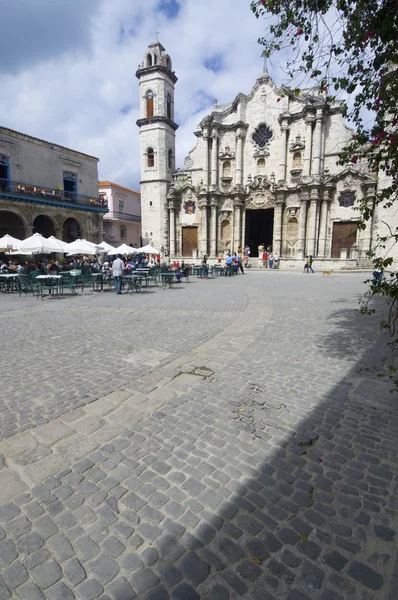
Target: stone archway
(12, 224)
(44, 224)
(71, 230)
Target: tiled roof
(116, 185)
(31, 137)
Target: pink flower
(278, 99)
(320, 460)
(299, 31)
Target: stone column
(203, 249)
(239, 158)
(172, 229)
(237, 225)
(317, 143)
(302, 226)
(308, 145)
(243, 230)
(282, 166)
(213, 228)
(278, 213)
(312, 234)
(206, 157)
(214, 159)
(323, 227)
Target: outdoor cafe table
(42, 282)
(134, 282)
(10, 279)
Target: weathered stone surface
(52, 432)
(11, 485)
(190, 502)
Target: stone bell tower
(157, 141)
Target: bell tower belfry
(157, 141)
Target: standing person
(270, 260)
(265, 259)
(309, 264)
(238, 259)
(276, 260)
(378, 273)
(261, 249)
(117, 272)
(205, 268)
(228, 264)
(246, 254)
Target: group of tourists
(269, 259)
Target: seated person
(178, 274)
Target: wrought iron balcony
(122, 216)
(30, 192)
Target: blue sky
(68, 74)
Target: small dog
(328, 273)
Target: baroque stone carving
(297, 145)
(188, 162)
(226, 153)
(260, 201)
(261, 153)
(260, 182)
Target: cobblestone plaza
(223, 439)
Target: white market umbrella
(95, 247)
(61, 245)
(123, 249)
(37, 244)
(80, 247)
(21, 253)
(148, 250)
(107, 247)
(8, 242)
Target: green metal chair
(68, 282)
(49, 285)
(26, 284)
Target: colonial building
(48, 189)
(264, 170)
(122, 224)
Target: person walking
(117, 272)
(309, 264)
(205, 268)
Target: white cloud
(75, 93)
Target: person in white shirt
(117, 272)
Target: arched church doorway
(12, 224)
(259, 229)
(44, 225)
(71, 230)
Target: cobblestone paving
(229, 439)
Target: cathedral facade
(264, 170)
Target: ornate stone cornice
(156, 68)
(158, 119)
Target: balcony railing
(122, 216)
(17, 190)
